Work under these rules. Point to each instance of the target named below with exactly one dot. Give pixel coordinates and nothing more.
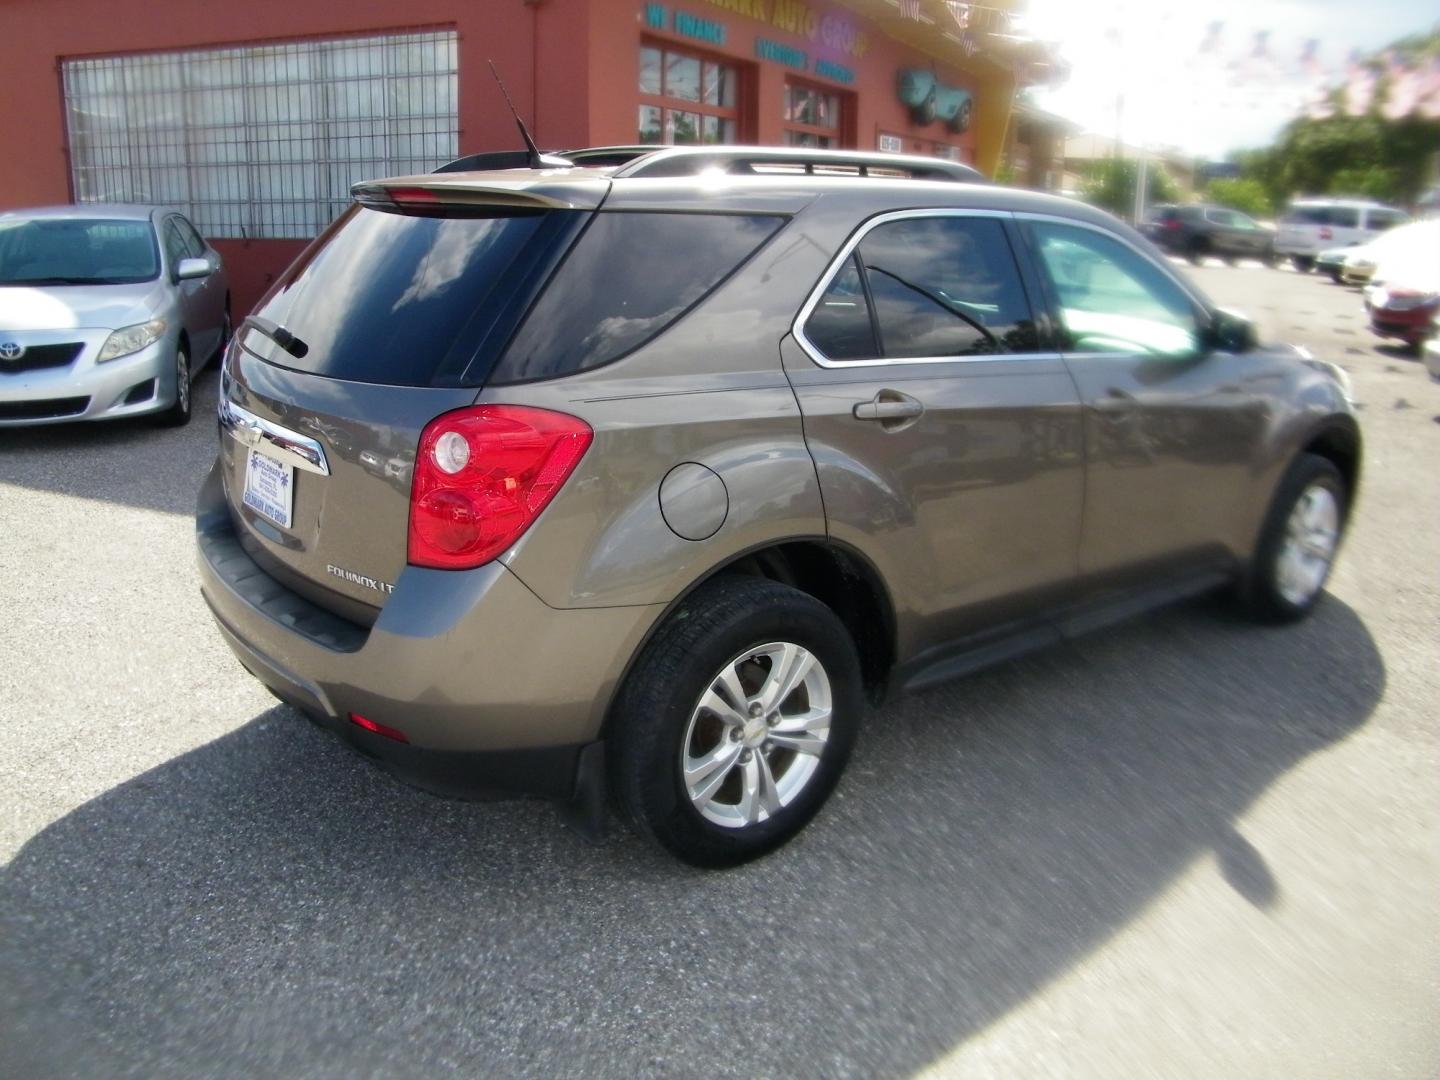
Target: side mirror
(189, 269)
(1231, 332)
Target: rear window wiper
(278, 334)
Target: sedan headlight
(131, 339)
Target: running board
(982, 651)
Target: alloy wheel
(755, 737)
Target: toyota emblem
(11, 350)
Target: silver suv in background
(106, 311)
(1310, 227)
(690, 455)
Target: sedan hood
(79, 307)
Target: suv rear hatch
(395, 315)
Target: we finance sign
(799, 18)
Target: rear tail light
(483, 475)
(1172, 224)
(1325, 232)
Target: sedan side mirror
(1231, 332)
(189, 269)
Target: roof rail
(778, 160)
(653, 161)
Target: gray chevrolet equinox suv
(631, 478)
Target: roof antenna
(536, 161)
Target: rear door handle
(888, 405)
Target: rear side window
(841, 326)
(945, 286)
(411, 300)
(629, 277)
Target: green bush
(1110, 185)
(1242, 193)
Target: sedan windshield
(76, 251)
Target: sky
(1207, 101)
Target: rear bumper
(496, 692)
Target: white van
(1311, 226)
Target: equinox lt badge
(359, 579)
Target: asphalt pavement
(1183, 847)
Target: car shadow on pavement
(271, 905)
(128, 462)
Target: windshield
(77, 251)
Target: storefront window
(686, 99)
(812, 116)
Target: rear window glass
(76, 251)
(1308, 215)
(411, 300)
(1346, 217)
(629, 277)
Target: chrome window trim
(797, 328)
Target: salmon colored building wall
(572, 68)
(617, 28)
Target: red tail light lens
(378, 728)
(1325, 232)
(483, 475)
(1172, 224)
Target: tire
(227, 331)
(735, 628)
(1336, 278)
(1303, 263)
(1196, 251)
(925, 112)
(178, 414)
(960, 122)
(1298, 542)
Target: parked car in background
(691, 469)
(1331, 262)
(106, 311)
(1311, 226)
(1199, 231)
(1403, 296)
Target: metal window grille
(261, 140)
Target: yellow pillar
(993, 102)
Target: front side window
(1113, 299)
(174, 244)
(686, 99)
(925, 288)
(76, 251)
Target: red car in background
(1403, 296)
